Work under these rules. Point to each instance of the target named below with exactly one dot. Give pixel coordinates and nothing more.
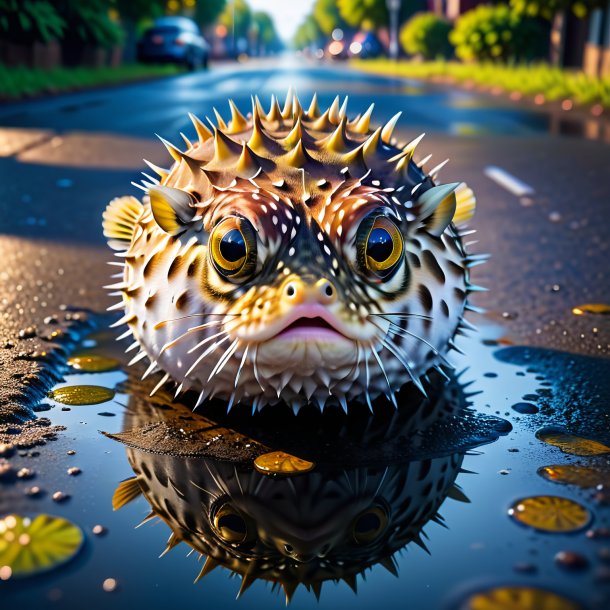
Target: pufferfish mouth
(306, 323)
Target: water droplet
(571, 443)
(591, 308)
(82, 395)
(525, 408)
(550, 514)
(31, 546)
(64, 183)
(518, 598)
(93, 363)
(279, 462)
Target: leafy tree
(496, 32)
(237, 17)
(307, 33)
(28, 21)
(208, 11)
(427, 34)
(89, 23)
(373, 14)
(327, 16)
(263, 24)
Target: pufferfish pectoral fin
(127, 490)
(120, 218)
(465, 204)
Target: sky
(287, 14)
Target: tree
(208, 11)
(264, 32)
(555, 12)
(373, 14)
(427, 35)
(307, 33)
(327, 16)
(27, 21)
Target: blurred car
(366, 46)
(174, 40)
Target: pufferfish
(292, 256)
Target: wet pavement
(64, 158)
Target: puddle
(410, 508)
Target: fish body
(293, 256)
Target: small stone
(513, 450)
(598, 532)
(41, 407)
(6, 470)
(66, 409)
(525, 408)
(25, 473)
(99, 530)
(74, 471)
(570, 560)
(6, 450)
(60, 496)
(504, 471)
(555, 217)
(71, 452)
(109, 585)
(33, 492)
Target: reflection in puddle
(376, 487)
(331, 521)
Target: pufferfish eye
(380, 245)
(369, 525)
(232, 247)
(232, 526)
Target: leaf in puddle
(518, 598)
(31, 546)
(79, 395)
(279, 462)
(550, 514)
(591, 308)
(93, 363)
(571, 444)
(585, 477)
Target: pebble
(74, 471)
(6, 450)
(525, 408)
(504, 471)
(99, 530)
(598, 532)
(60, 496)
(33, 492)
(25, 473)
(570, 560)
(109, 585)
(71, 452)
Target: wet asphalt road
(63, 158)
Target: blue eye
(233, 246)
(384, 246)
(380, 245)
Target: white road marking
(508, 181)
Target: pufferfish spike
(299, 156)
(274, 114)
(372, 143)
(337, 140)
(295, 135)
(203, 133)
(224, 147)
(313, 112)
(287, 109)
(388, 128)
(363, 123)
(248, 164)
(174, 151)
(160, 171)
(209, 564)
(297, 109)
(333, 111)
(219, 120)
(238, 121)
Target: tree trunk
(557, 38)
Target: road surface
(543, 216)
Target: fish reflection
(330, 523)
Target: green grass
(18, 82)
(529, 80)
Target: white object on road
(508, 181)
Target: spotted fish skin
(304, 190)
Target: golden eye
(231, 525)
(383, 246)
(233, 247)
(369, 525)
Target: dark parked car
(174, 40)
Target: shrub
(427, 35)
(497, 33)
